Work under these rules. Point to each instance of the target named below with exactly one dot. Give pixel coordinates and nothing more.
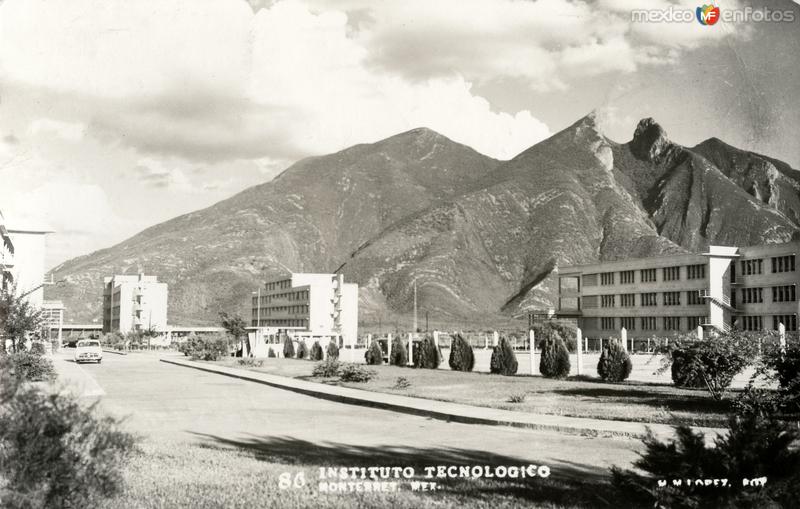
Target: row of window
(628, 300)
(756, 323)
(627, 277)
(290, 296)
(784, 263)
(301, 309)
(779, 294)
(279, 285)
(280, 322)
(651, 323)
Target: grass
(216, 472)
(573, 397)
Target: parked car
(88, 350)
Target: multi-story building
(307, 306)
(746, 288)
(53, 315)
(133, 303)
(22, 253)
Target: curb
(325, 392)
(118, 352)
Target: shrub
(517, 398)
(54, 452)
(504, 361)
(753, 447)
(208, 348)
(785, 364)
(271, 353)
(711, 363)
(327, 368)
(402, 383)
(427, 355)
(332, 350)
(316, 352)
(374, 354)
(28, 367)
(302, 350)
(288, 348)
(461, 356)
(615, 363)
(356, 373)
(37, 348)
(554, 362)
(251, 363)
(399, 356)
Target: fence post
(700, 332)
(369, 340)
(389, 348)
(436, 338)
(532, 349)
(623, 333)
(495, 338)
(485, 342)
(782, 333)
(410, 349)
(579, 348)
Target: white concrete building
(22, 252)
(133, 303)
(310, 307)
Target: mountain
(309, 218)
(483, 239)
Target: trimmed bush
(302, 350)
(316, 352)
(271, 353)
(28, 367)
(355, 373)
(37, 348)
(332, 350)
(753, 447)
(399, 356)
(288, 348)
(207, 348)
(327, 368)
(427, 355)
(504, 361)
(374, 354)
(402, 383)
(615, 363)
(461, 356)
(554, 362)
(55, 452)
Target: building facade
(132, 303)
(53, 315)
(306, 305)
(22, 259)
(744, 288)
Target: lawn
(574, 397)
(212, 472)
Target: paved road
(177, 403)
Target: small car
(88, 350)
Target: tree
(554, 362)
(288, 348)
(461, 356)
(504, 361)
(556, 329)
(236, 327)
(316, 352)
(399, 355)
(374, 354)
(615, 363)
(427, 354)
(19, 319)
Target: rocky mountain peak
(650, 140)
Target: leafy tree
(302, 350)
(503, 361)
(332, 350)
(556, 329)
(236, 327)
(18, 318)
(615, 363)
(288, 348)
(374, 354)
(399, 355)
(554, 362)
(316, 352)
(461, 356)
(427, 354)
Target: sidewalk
(443, 410)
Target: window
(693, 298)
(589, 301)
(752, 323)
(628, 322)
(672, 323)
(783, 294)
(649, 299)
(648, 275)
(672, 298)
(648, 323)
(628, 300)
(788, 321)
(607, 278)
(672, 273)
(590, 280)
(752, 295)
(607, 323)
(783, 263)
(606, 301)
(626, 277)
(693, 322)
(696, 271)
(750, 267)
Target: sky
(116, 115)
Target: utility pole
(415, 306)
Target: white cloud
(70, 131)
